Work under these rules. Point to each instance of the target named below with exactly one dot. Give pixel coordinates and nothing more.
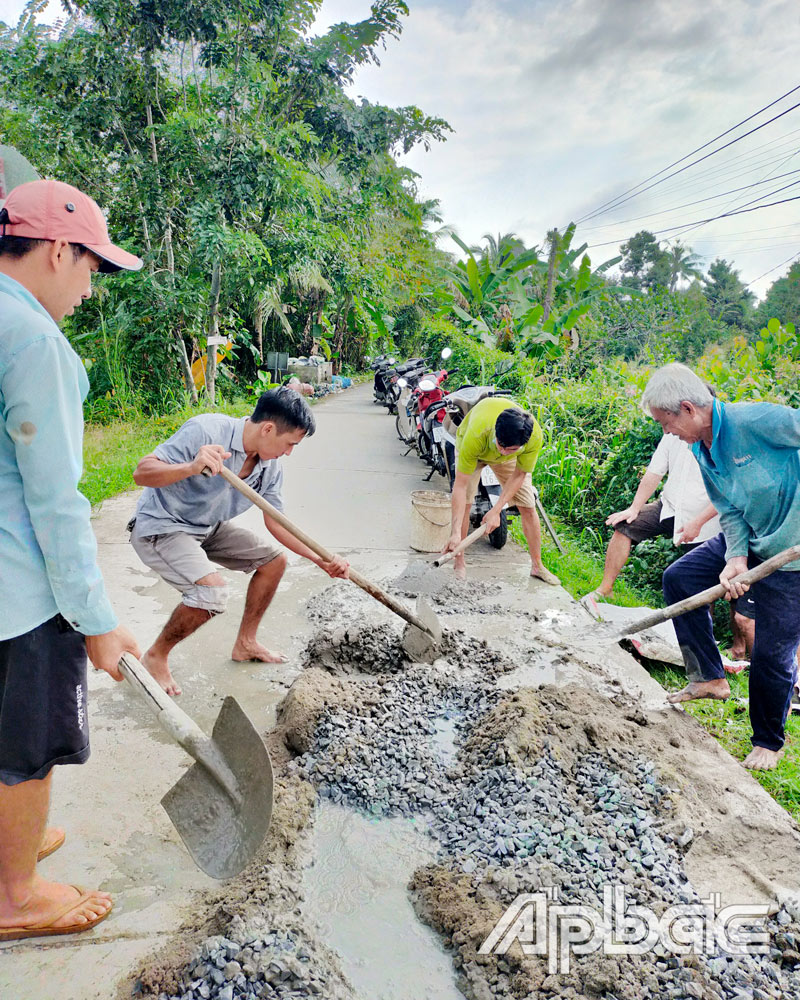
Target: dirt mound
(313, 694)
(465, 916)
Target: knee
(210, 595)
(671, 580)
(276, 566)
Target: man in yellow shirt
(498, 433)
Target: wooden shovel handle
(180, 726)
(360, 581)
(465, 543)
(764, 569)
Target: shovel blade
(423, 647)
(221, 835)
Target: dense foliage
(267, 204)
(271, 212)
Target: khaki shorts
(182, 559)
(525, 495)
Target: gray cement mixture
(569, 788)
(512, 784)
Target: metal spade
(222, 805)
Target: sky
(559, 106)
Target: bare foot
(48, 899)
(245, 650)
(717, 688)
(53, 838)
(158, 667)
(761, 759)
(739, 652)
(544, 574)
(460, 567)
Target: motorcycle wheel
(499, 537)
(423, 449)
(399, 427)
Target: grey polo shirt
(196, 504)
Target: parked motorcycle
(382, 366)
(418, 394)
(413, 368)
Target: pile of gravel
(266, 957)
(606, 818)
(513, 810)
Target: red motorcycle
(420, 393)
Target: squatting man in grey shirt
(182, 526)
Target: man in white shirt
(682, 512)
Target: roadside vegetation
(272, 213)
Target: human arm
(492, 517)
(647, 487)
(105, 650)
(458, 506)
(337, 567)
(692, 528)
(42, 388)
(733, 568)
(153, 471)
(736, 530)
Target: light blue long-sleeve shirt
(48, 552)
(752, 475)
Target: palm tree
(683, 263)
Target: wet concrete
(357, 891)
(349, 486)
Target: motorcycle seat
(464, 399)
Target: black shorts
(43, 701)
(745, 605)
(647, 525)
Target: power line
(713, 218)
(793, 257)
(640, 188)
(757, 154)
(688, 204)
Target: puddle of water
(444, 740)
(356, 891)
(529, 675)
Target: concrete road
(348, 486)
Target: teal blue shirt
(752, 476)
(48, 553)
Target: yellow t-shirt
(475, 440)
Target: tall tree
(782, 300)
(644, 263)
(683, 263)
(729, 300)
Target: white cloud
(560, 105)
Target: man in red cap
(53, 605)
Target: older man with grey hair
(748, 457)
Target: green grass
(112, 451)
(580, 571)
(729, 722)
(578, 568)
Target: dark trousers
(777, 618)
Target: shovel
(222, 805)
(708, 596)
(422, 637)
(465, 543)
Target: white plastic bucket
(430, 520)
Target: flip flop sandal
(48, 930)
(53, 839)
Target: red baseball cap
(52, 210)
